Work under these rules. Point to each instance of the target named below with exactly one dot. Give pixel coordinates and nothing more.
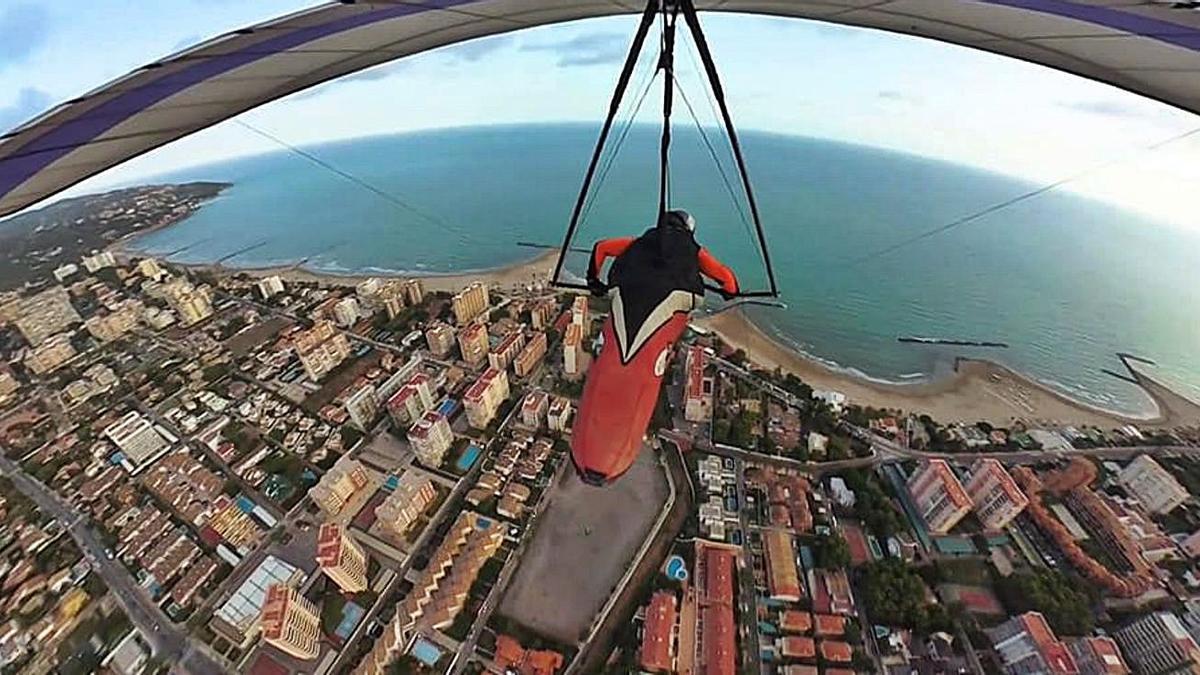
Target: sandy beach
(537, 270)
(978, 390)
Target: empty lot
(585, 541)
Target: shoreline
(521, 273)
(977, 390)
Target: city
(211, 473)
(401, 338)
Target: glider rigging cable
(670, 11)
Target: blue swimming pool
(676, 568)
(448, 407)
(426, 652)
(351, 615)
(469, 457)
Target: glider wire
(379, 192)
(648, 83)
(712, 151)
(971, 217)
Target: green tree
(831, 551)
(895, 593)
(1061, 599)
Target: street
(166, 641)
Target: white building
(939, 496)
(193, 304)
(139, 440)
(534, 407)
(411, 401)
(698, 390)
(1159, 643)
(347, 312)
(431, 437)
(414, 491)
(558, 416)
(148, 267)
(1152, 485)
(842, 493)
(321, 349)
(363, 407)
(996, 496)
(817, 444)
(64, 272)
(98, 261)
(835, 399)
(270, 287)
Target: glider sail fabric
(1147, 48)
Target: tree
(741, 430)
(895, 593)
(839, 448)
(831, 551)
(872, 505)
(406, 664)
(721, 430)
(1067, 608)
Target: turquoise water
(1066, 281)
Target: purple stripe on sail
(61, 140)
(1135, 24)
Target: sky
(781, 75)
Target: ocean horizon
(1065, 280)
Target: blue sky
(782, 75)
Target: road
(885, 449)
(449, 509)
(166, 641)
(748, 615)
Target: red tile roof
(783, 579)
(720, 652)
(509, 652)
(695, 375)
(541, 662)
(657, 651)
(839, 652)
(794, 621)
(857, 543)
(1107, 655)
(830, 624)
(795, 647)
(718, 584)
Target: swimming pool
(426, 652)
(468, 457)
(676, 568)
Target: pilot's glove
(596, 287)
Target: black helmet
(678, 218)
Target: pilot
(664, 259)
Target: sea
(1065, 281)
